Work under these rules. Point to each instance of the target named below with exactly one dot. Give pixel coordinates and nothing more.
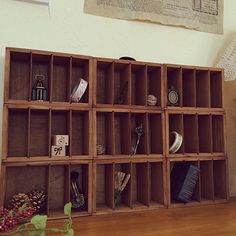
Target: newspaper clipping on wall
(228, 61)
(201, 15)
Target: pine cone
(18, 200)
(38, 200)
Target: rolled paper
(178, 139)
(79, 90)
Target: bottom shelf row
(149, 187)
(107, 186)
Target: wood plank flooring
(217, 220)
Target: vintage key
(139, 131)
(77, 197)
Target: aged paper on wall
(228, 61)
(202, 15)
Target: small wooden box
(60, 140)
(58, 151)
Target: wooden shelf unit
(212, 183)
(61, 72)
(144, 190)
(29, 131)
(198, 87)
(113, 106)
(115, 130)
(121, 83)
(202, 132)
(53, 179)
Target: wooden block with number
(60, 140)
(58, 151)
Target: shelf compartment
(104, 199)
(138, 85)
(58, 188)
(20, 73)
(176, 179)
(155, 133)
(105, 82)
(122, 133)
(204, 133)
(206, 180)
(189, 87)
(218, 134)
(138, 119)
(39, 130)
(81, 69)
(122, 84)
(174, 79)
(60, 123)
(80, 133)
(83, 184)
(203, 88)
(139, 185)
(23, 179)
(176, 124)
(154, 83)
(216, 89)
(42, 65)
(156, 183)
(105, 131)
(18, 133)
(125, 197)
(220, 179)
(190, 134)
(61, 79)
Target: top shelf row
(109, 81)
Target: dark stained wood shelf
(114, 104)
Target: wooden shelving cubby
(210, 187)
(145, 188)
(30, 132)
(127, 83)
(197, 87)
(54, 180)
(115, 127)
(202, 132)
(59, 73)
(116, 132)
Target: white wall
(64, 27)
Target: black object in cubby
(184, 177)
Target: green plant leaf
(70, 232)
(67, 209)
(39, 221)
(37, 233)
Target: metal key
(139, 131)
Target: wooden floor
(217, 220)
